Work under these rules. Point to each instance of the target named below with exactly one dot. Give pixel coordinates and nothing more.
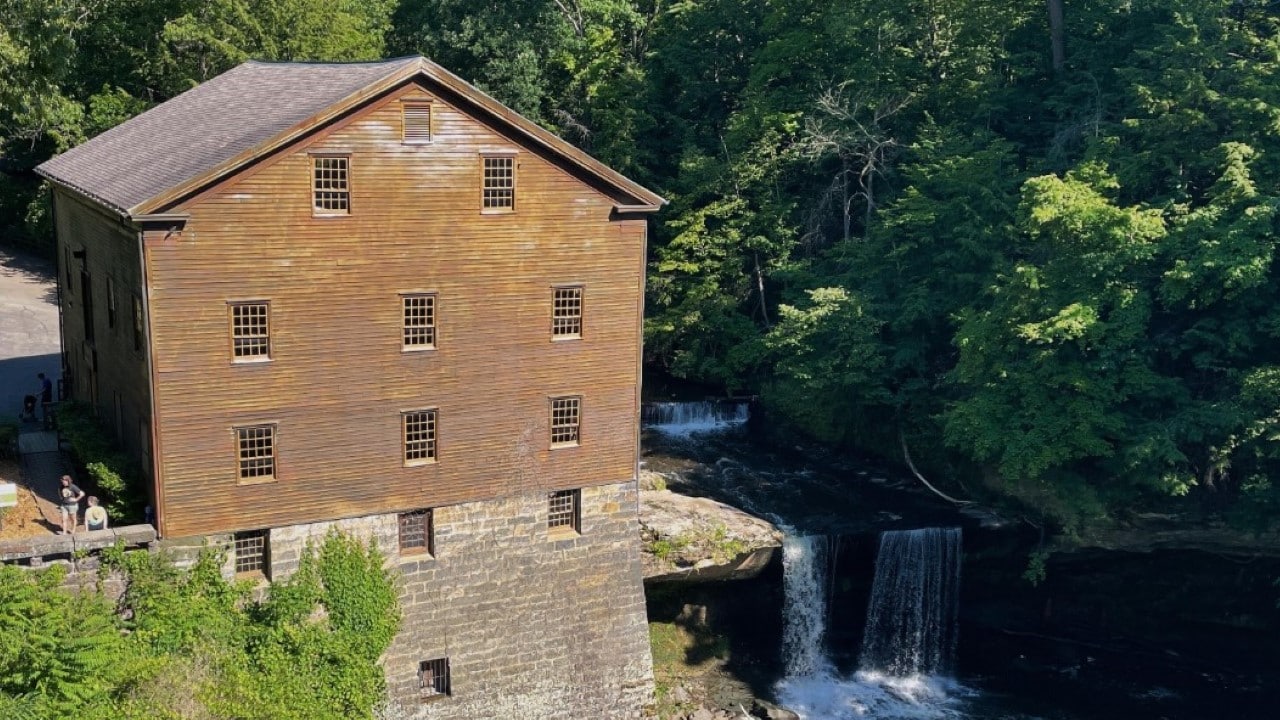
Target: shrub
(115, 475)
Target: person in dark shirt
(46, 388)
(69, 496)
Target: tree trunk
(1056, 35)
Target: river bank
(1155, 632)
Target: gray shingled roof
(210, 124)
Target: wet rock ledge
(692, 539)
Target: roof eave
(72, 187)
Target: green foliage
(1036, 571)
(115, 475)
(893, 220)
(191, 644)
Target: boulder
(700, 539)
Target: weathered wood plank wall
(338, 380)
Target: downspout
(61, 271)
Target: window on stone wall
(251, 552)
(565, 421)
(564, 514)
(433, 678)
(417, 533)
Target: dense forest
(1030, 244)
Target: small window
(563, 513)
(433, 677)
(417, 123)
(419, 321)
(565, 421)
(331, 188)
(256, 452)
(417, 533)
(137, 323)
(111, 302)
(499, 183)
(419, 437)
(251, 552)
(251, 331)
(566, 313)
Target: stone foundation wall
(533, 626)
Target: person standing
(95, 518)
(70, 495)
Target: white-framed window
(499, 188)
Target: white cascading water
(911, 619)
(682, 418)
(910, 632)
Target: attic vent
(417, 123)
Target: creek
(887, 602)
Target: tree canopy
(1040, 259)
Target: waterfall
(910, 633)
(911, 619)
(682, 418)
(805, 606)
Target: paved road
(29, 341)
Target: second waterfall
(910, 634)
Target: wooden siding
(338, 380)
(110, 251)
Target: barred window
(419, 322)
(499, 183)
(251, 330)
(251, 552)
(257, 452)
(330, 185)
(565, 420)
(111, 302)
(419, 437)
(433, 677)
(417, 532)
(563, 510)
(417, 123)
(566, 312)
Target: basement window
(251, 553)
(417, 123)
(433, 678)
(417, 533)
(499, 192)
(250, 331)
(330, 185)
(419, 437)
(256, 453)
(566, 413)
(566, 313)
(419, 318)
(563, 514)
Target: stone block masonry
(534, 625)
